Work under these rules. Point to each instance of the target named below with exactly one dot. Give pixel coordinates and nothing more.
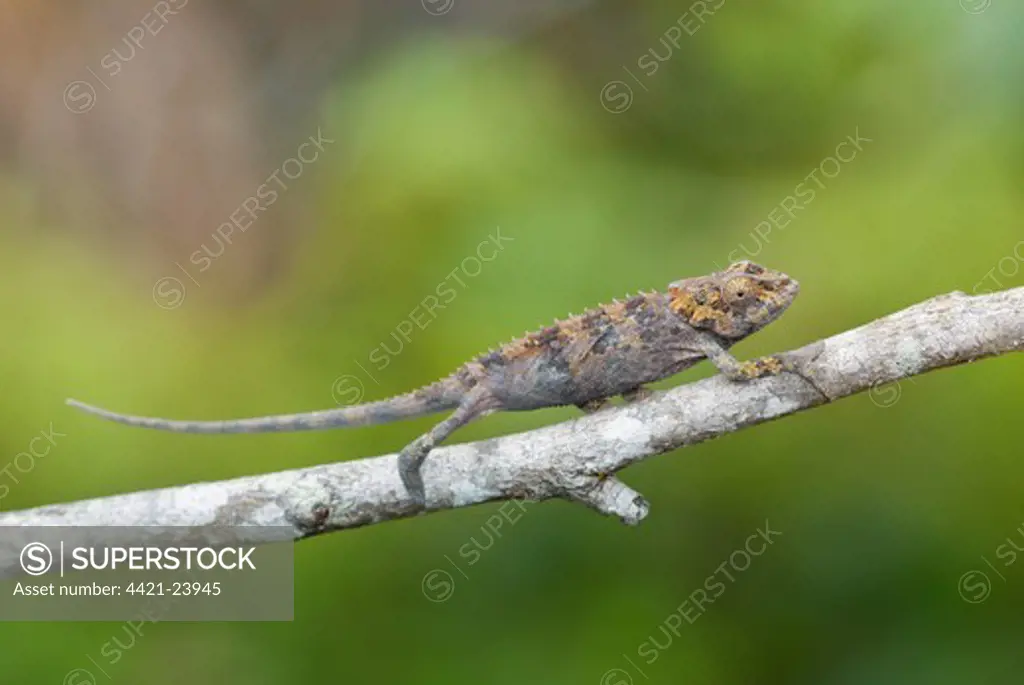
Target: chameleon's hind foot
(410, 459)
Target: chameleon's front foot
(410, 459)
(735, 370)
(765, 366)
(771, 366)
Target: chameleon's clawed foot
(637, 394)
(410, 460)
(772, 366)
(757, 368)
(594, 405)
(765, 366)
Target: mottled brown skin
(584, 361)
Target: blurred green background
(618, 147)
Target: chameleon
(614, 349)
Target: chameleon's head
(735, 302)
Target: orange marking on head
(683, 302)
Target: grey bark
(575, 459)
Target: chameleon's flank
(584, 360)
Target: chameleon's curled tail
(444, 394)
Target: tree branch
(574, 459)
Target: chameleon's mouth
(776, 296)
(784, 286)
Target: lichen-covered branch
(575, 459)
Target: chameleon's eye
(738, 290)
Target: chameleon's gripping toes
(584, 360)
